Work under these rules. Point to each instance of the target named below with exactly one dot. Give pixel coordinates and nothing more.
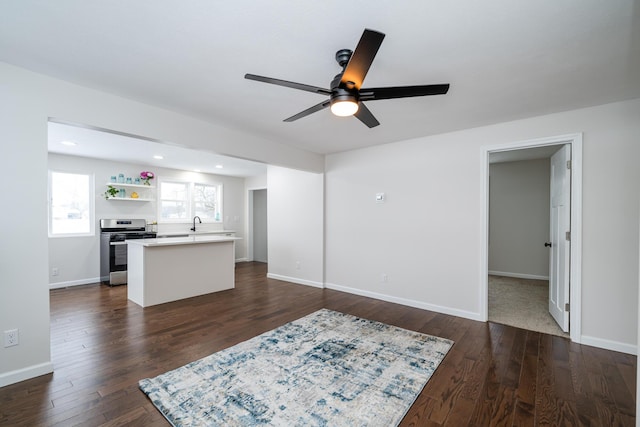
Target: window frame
(91, 207)
(190, 201)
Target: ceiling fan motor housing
(341, 93)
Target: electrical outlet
(55, 271)
(384, 278)
(11, 338)
(297, 265)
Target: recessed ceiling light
(218, 166)
(68, 143)
(158, 157)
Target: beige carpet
(523, 303)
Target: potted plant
(111, 192)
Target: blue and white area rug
(325, 369)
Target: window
(205, 200)
(174, 200)
(181, 201)
(70, 204)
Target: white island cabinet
(170, 269)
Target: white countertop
(193, 233)
(190, 240)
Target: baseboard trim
(242, 260)
(295, 280)
(518, 275)
(70, 283)
(408, 302)
(27, 373)
(609, 345)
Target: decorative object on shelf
(146, 176)
(114, 178)
(134, 195)
(136, 181)
(129, 180)
(111, 192)
(122, 192)
(121, 178)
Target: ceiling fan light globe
(344, 108)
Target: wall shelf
(115, 184)
(130, 199)
(145, 192)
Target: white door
(560, 250)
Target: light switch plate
(380, 198)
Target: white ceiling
(504, 59)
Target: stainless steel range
(113, 249)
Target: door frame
(575, 269)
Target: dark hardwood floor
(494, 375)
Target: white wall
(28, 101)
(295, 227)
(256, 182)
(519, 218)
(427, 237)
(78, 258)
(24, 304)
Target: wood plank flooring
(494, 375)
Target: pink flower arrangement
(145, 176)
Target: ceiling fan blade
(358, 66)
(365, 116)
(310, 110)
(286, 83)
(372, 94)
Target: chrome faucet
(194, 222)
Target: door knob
(547, 244)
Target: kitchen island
(168, 269)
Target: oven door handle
(117, 243)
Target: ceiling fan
(346, 94)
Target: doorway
(258, 236)
(516, 151)
(519, 230)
